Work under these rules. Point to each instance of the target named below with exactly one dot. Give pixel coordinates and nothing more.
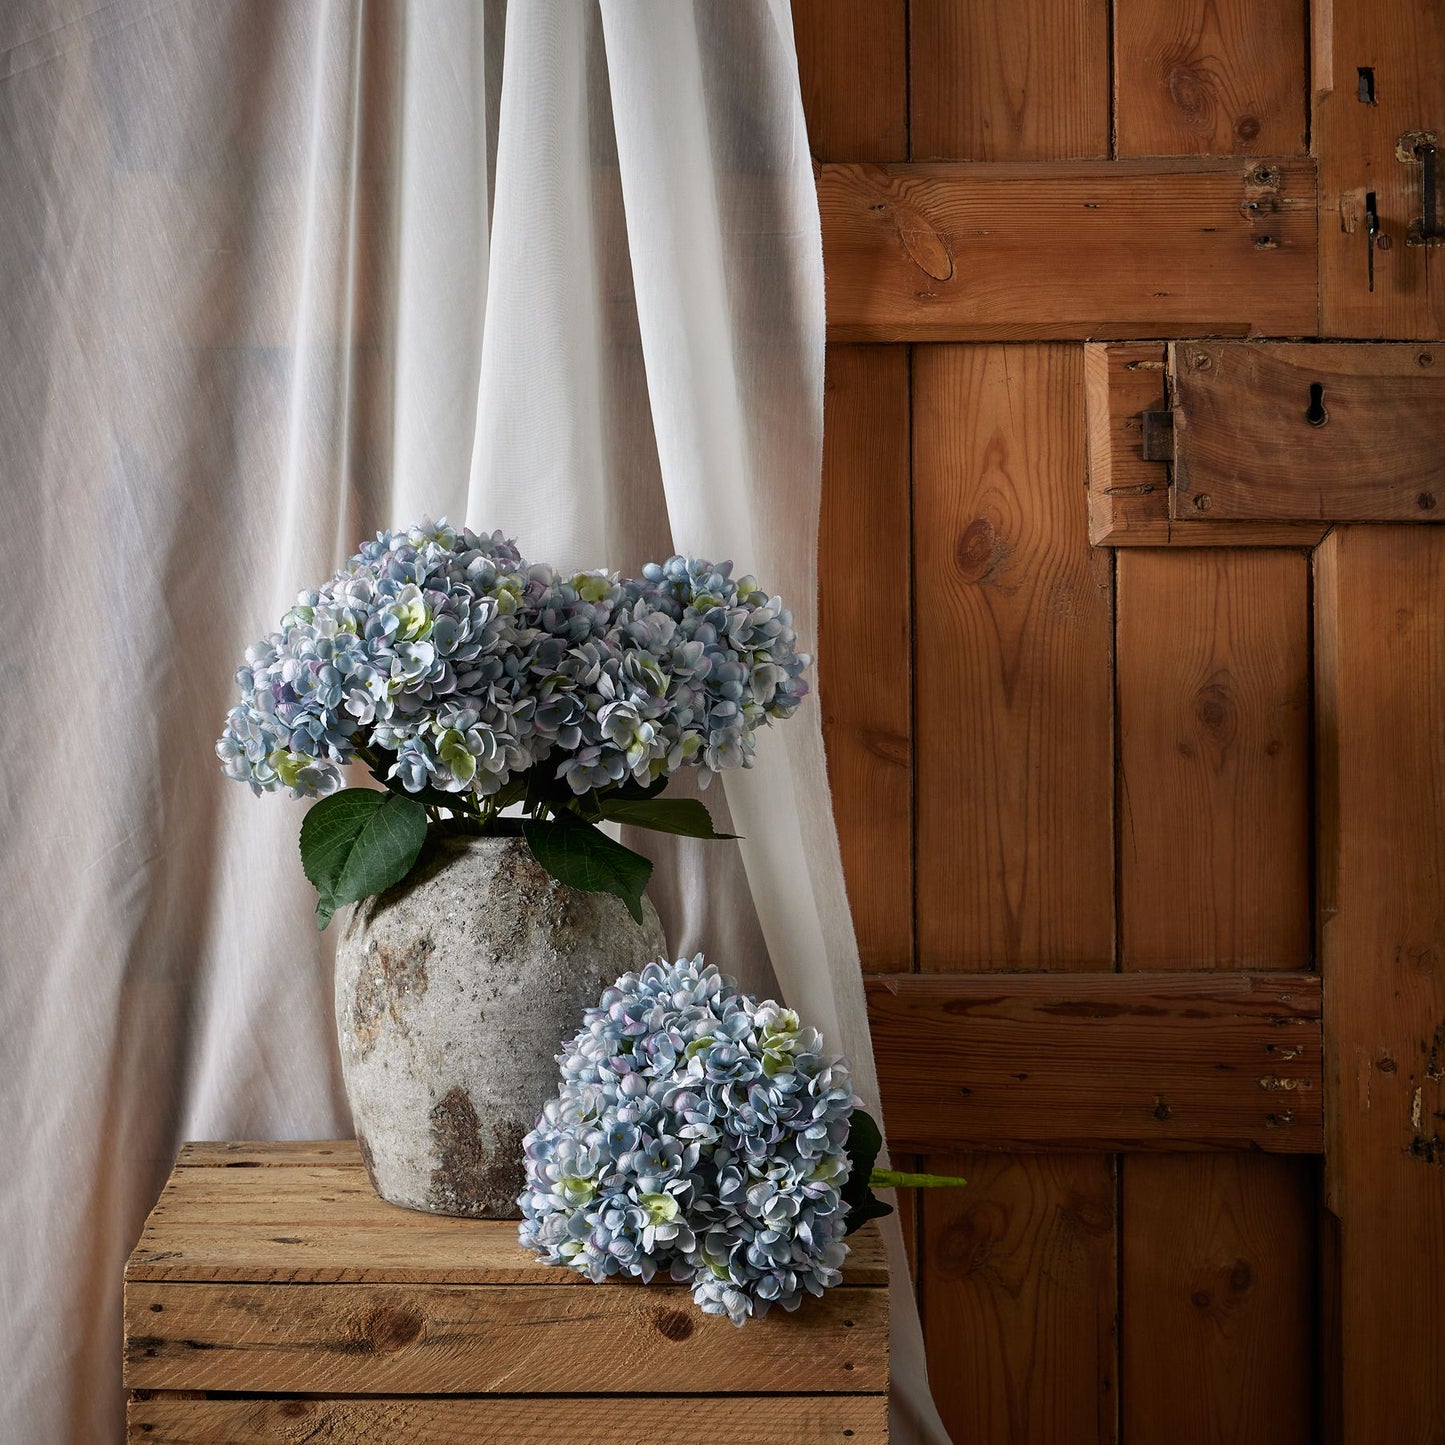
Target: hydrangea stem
(900, 1179)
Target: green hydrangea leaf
(358, 842)
(865, 1140)
(576, 854)
(685, 816)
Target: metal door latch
(1422, 148)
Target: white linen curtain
(274, 275)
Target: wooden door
(1142, 796)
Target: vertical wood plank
(863, 666)
(1214, 758)
(1380, 648)
(1013, 628)
(1018, 1300)
(853, 67)
(1210, 77)
(1025, 80)
(1218, 1262)
(1401, 47)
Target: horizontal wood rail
(1101, 1061)
(969, 251)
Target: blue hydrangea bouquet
(703, 1135)
(470, 682)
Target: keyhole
(1315, 413)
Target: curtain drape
(275, 274)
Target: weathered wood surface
(1128, 496)
(1013, 627)
(1100, 1061)
(1069, 250)
(294, 1221)
(853, 71)
(1209, 77)
(1218, 1280)
(1380, 648)
(545, 1339)
(1215, 729)
(1400, 44)
(1025, 81)
(1245, 445)
(1020, 1299)
(864, 664)
(599, 1420)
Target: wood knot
(1247, 128)
(390, 1328)
(673, 1325)
(1214, 710)
(1241, 1276)
(980, 551)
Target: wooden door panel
(1069, 250)
(1013, 642)
(1293, 432)
(1210, 77)
(853, 72)
(864, 648)
(1217, 1281)
(1214, 728)
(1380, 642)
(1100, 1061)
(1378, 75)
(1020, 1299)
(1027, 81)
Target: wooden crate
(273, 1296)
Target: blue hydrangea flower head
(449, 663)
(696, 1133)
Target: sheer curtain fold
(271, 277)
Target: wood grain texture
(1245, 447)
(853, 68)
(163, 1419)
(1128, 496)
(1019, 1301)
(1210, 77)
(1380, 645)
(1100, 1061)
(1023, 81)
(488, 1339)
(1402, 44)
(316, 1223)
(1218, 1294)
(1215, 755)
(1069, 250)
(864, 682)
(1013, 632)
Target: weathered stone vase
(454, 992)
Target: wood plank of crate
(1085, 1062)
(1069, 250)
(1320, 431)
(297, 1221)
(162, 1419)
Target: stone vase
(454, 993)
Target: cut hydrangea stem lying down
(705, 1136)
(472, 681)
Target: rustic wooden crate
(273, 1296)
